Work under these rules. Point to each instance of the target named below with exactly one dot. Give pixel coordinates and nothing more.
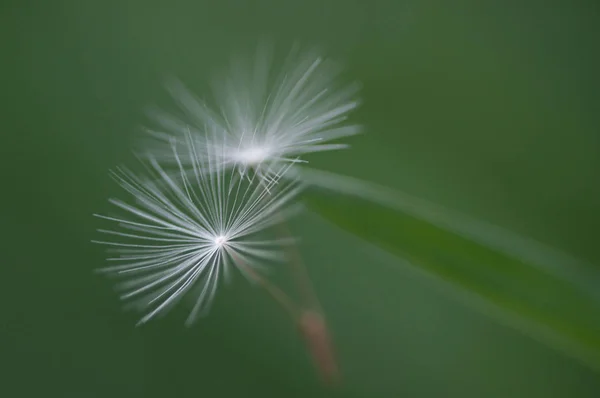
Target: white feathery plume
(184, 233)
(265, 119)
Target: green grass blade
(554, 300)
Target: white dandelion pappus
(266, 119)
(183, 234)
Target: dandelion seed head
(185, 231)
(264, 117)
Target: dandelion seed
(264, 119)
(183, 235)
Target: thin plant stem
(311, 322)
(309, 319)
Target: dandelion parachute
(187, 230)
(265, 119)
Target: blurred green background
(491, 108)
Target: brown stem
(316, 334)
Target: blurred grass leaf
(555, 307)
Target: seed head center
(220, 241)
(253, 155)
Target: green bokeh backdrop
(488, 107)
